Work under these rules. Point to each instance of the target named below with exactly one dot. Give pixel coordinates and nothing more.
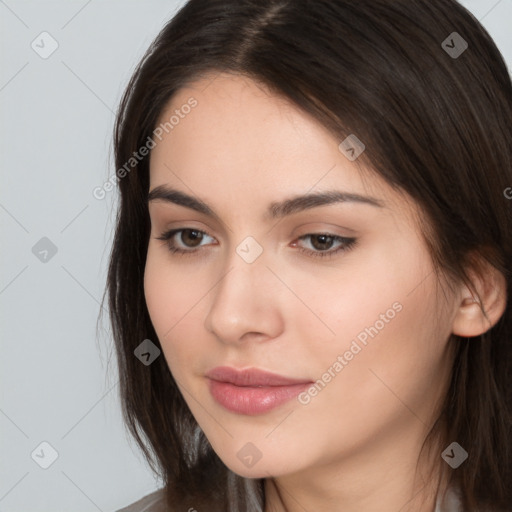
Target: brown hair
(435, 124)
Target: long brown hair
(435, 116)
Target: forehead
(236, 108)
(239, 134)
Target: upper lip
(251, 377)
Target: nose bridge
(246, 265)
(241, 301)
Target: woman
(309, 278)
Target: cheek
(171, 298)
(160, 290)
(368, 290)
(378, 387)
(383, 317)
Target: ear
(477, 314)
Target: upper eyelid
(188, 224)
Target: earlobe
(476, 314)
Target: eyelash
(349, 243)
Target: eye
(191, 238)
(323, 239)
(188, 235)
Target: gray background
(58, 379)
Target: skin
(355, 445)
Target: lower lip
(253, 400)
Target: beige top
(154, 503)
(150, 503)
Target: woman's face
(363, 324)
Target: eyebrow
(275, 210)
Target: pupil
(325, 238)
(196, 238)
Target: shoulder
(153, 502)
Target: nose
(245, 304)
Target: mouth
(253, 391)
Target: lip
(251, 377)
(252, 391)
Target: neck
(381, 478)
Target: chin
(260, 469)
